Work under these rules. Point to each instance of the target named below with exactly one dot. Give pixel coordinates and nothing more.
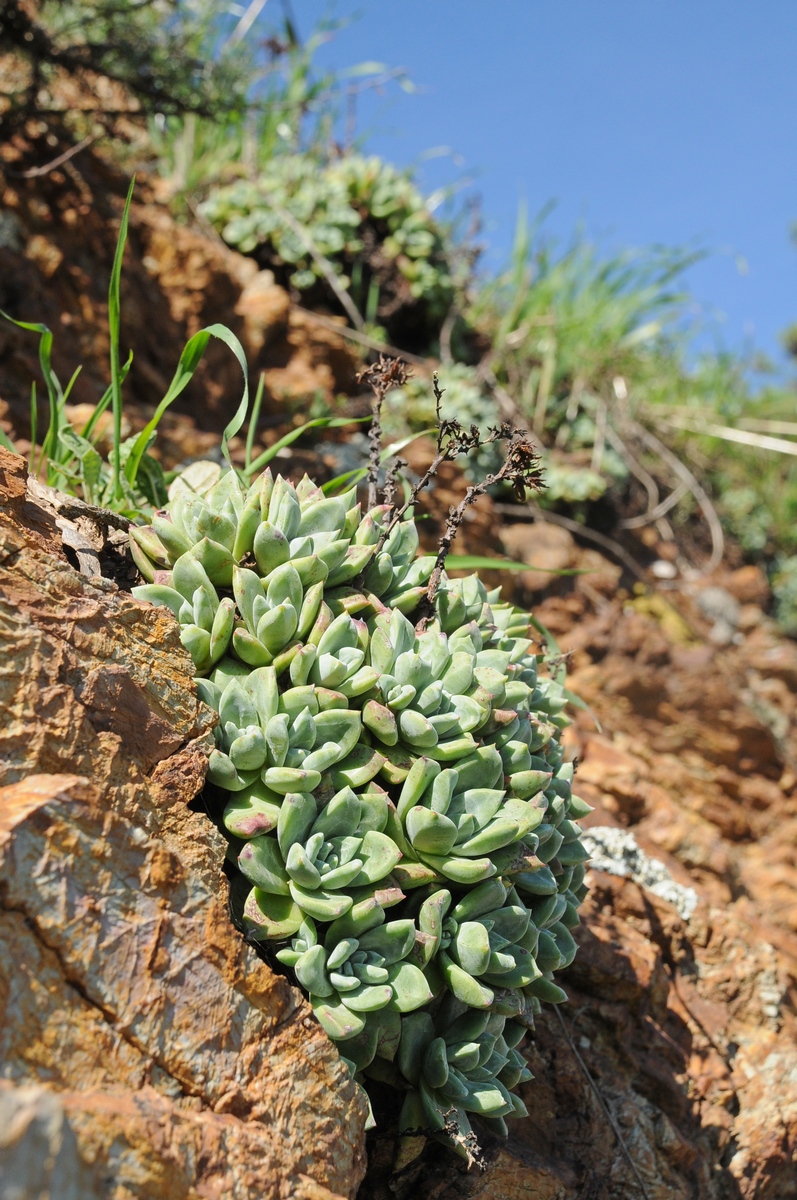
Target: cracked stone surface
(38, 1148)
(146, 1053)
(141, 1040)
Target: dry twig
(320, 259)
(655, 514)
(507, 408)
(391, 480)
(362, 339)
(592, 535)
(36, 172)
(520, 468)
(547, 372)
(599, 445)
(635, 467)
(452, 440)
(382, 376)
(604, 1106)
(446, 330)
(683, 473)
(744, 437)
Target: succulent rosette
(464, 1061)
(396, 794)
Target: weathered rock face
(699, 747)
(39, 1155)
(145, 1051)
(174, 1062)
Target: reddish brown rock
(39, 1154)
(181, 1066)
(697, 748)
(548, 548)
(687, 1030)
(176, 280)
(749, 585)
(265, 308)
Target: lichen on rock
(617, 852)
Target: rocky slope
(57, 238)
(145, 1051)
(673, 1072)
(150, 1051)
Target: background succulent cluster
(397, 799)
(351, 208)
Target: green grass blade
(344, 481)
(475, 562)
(54, 392)
(71, 383)
(50, 444)
(62, 471)
(114, 316)
(396, 447)
(34, 427)
(5, 440)
(92, 475)
(59, 451)
(351, 477)
(105, 400)
(319, 423)
(228, 337)
(252, 430)
(189, 361)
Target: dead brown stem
(381, 376)
(520, 468)
(452, 440)
(391, 480)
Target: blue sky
(648, 121)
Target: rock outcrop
(143, 1043)
(146, 1051)
(57, 239)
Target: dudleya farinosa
(398, 800)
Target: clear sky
(649, 121)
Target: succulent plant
(332, 203)
(396, 795)
(461, 1060)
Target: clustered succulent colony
(344, 207)
(397, 792)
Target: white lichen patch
(617, 852)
